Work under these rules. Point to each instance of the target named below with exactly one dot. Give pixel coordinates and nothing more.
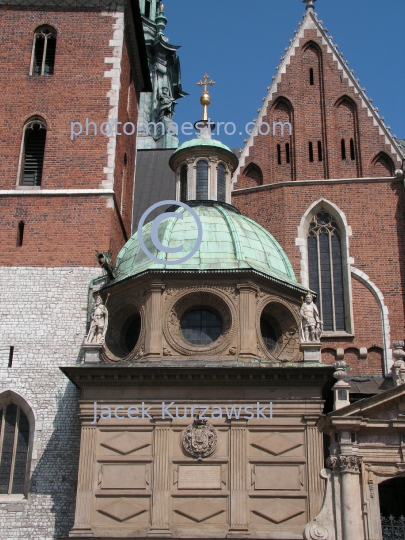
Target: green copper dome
(230, 242)
(203, 146)
(202, 142)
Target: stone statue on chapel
(398, 368)
(166, 103)
(99, 322)
(311, 324)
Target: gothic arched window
(183, 183)
(202, 181)
(33, 152)
(221, 183)
(43, 53)
(14, 437)
(326, 270)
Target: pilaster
(153, 338)
(315, 460)
(247, 317)
(84, 497)
(161, 483)
(238, 459)
(191, 180)
(213, 164)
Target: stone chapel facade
(196, 399)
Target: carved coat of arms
(199, 439)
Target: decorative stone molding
(386, 332)
(199, 439)
(323, 527)
(341, 388)
(346, 232)
(179, 302)
(287, 317)
(120, 311)
(343, 463)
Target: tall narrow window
(279, 154)
(311, 152)
(147, 9)
(287, 152)
(320, 157)
(311, 76)
(343, 149)
(352, 152)
(183, 183)
(14, 435)
(221, 183)
(33, 153)
(20, 234)
(10, 356)
(326, 270)
(202, 181)
(43, 54)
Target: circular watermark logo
(154, 232)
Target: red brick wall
(58, 231)
(63, 230)
(375, 213)
(329, 111)
(367, 333)
(319, 113)
(77, 90)
(126, 144)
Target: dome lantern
(203, 166)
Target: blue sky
(239, 44)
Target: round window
(269, 334)
(201, 327)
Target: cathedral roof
(311, 21)
(231, 242)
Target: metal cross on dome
(309, 3)
(206, 82)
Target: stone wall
(43, 314)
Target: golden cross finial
(206, 82)
(205, 99)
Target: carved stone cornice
(187, 374)
(343, 463)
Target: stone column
(153, 338)
(247, 318)
(315, 464)
(349, 467)
(238, 462)
(191, 179)
(84, 497)
(161, 480)
(213, 194)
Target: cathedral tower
(66, 188)
(157, 107)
